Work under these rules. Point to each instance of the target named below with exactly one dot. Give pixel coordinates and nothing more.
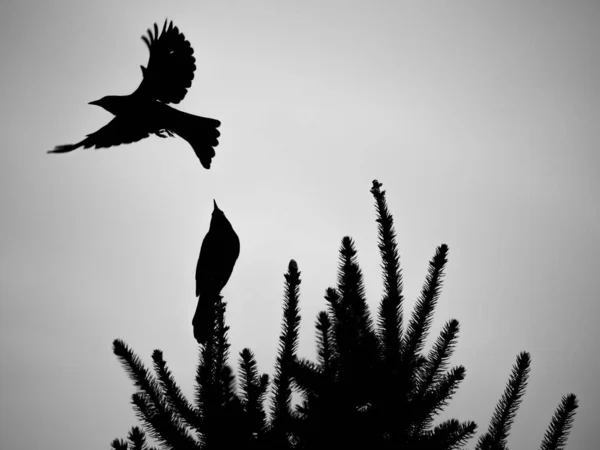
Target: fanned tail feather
(200, 132)
(204, 150)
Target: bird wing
(203, 268)
(118, 131)
(218, 255)
(171, 65)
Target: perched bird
(218, 254)
(169, 74)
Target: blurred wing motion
(218, 255)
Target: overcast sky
(479, 118)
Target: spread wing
(118, 131)
(171, 65)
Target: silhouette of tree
(221, 418)
(136, 440)
(280, 430)
(372, 384)
(506, 409)
(377, 385)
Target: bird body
(169, 73)
(218, 255)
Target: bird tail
(200, 132)
(66, 148)
(204, 318)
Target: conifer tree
(372, 384)
(377, 388)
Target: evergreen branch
(506, 408)
(264, 384)
(119, 444)
(436, 399)
(451, 434)
(397, 399)
(212, 360)
(206, 388)
(446, 388)
(333, 300)
(390, 308)
(163, 427)
(221, 342)
(356, 339)
(148, 416)
(464, 433)
(232, 409)
(215, 388)
(203, 379)
(560, 425)
(228, 386)
(438, 358)
(352, 289)
(253, 391)
(150, 401)
(141, 378)
(486, 442)
(172, 393)
(337, 316)
(323, 326)
(307, 377)
(288, 343)
(423, 313)
(137, 439)
(221, 408)
(248, 378)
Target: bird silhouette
(218, 254)
(166, 79)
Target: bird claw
(161, 133)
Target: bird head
(110, 103)
(218, 218)
(216, 211)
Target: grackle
(218, 254)
(169, 74)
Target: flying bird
(166, 79)
(218, 254)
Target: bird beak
(95, 102)
(215, 203)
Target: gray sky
(480, 119)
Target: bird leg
(169, 133)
